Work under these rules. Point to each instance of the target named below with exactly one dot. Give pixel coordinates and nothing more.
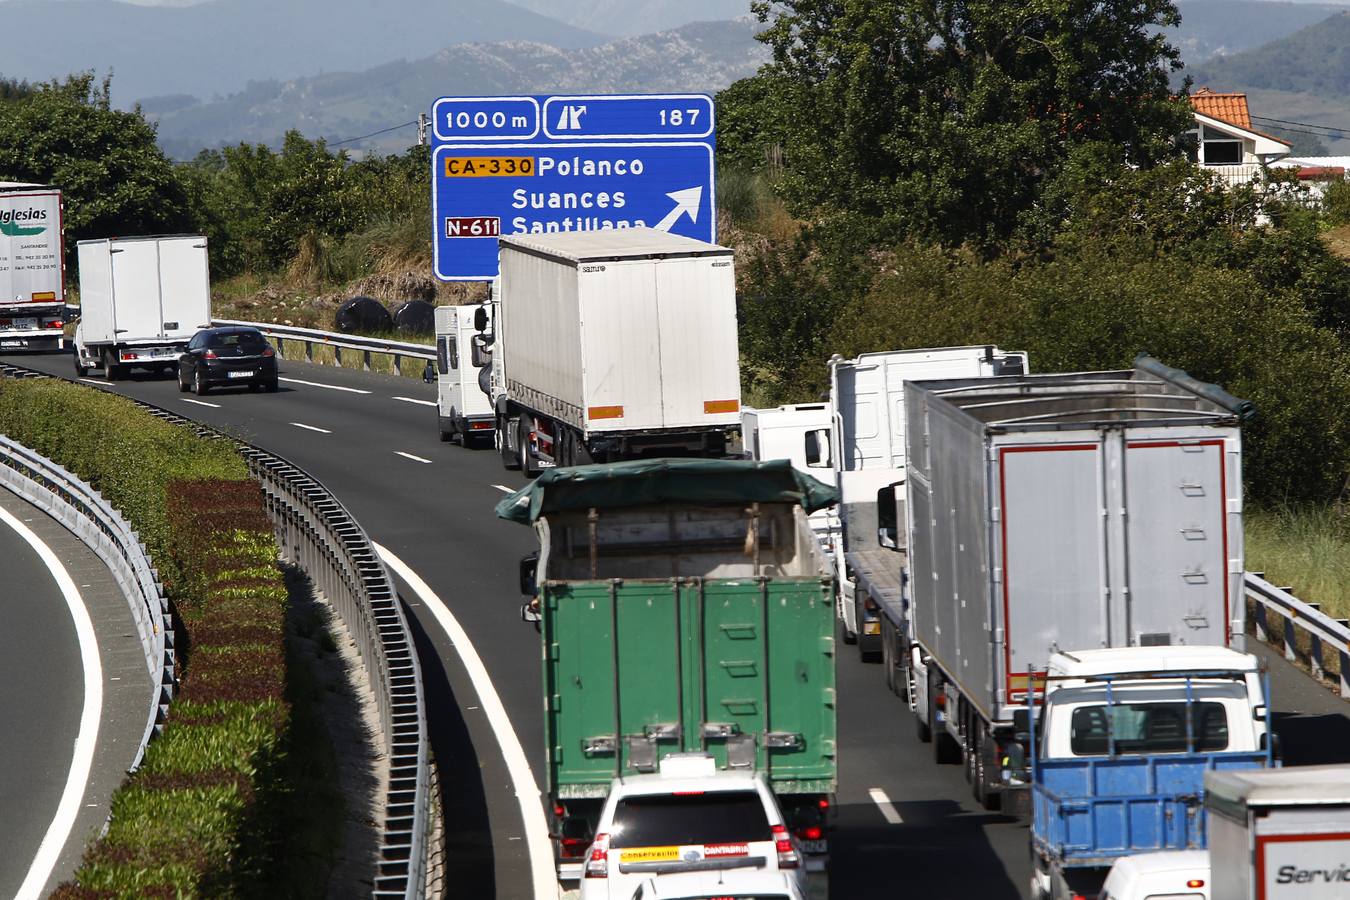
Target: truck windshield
(1148, 728)
(715, 817)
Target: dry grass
(382, 363)
(1337, 241)
(1306, 548)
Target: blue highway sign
(517, 165)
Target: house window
(1221, 149)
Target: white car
(736, 884)
(1171, 875)
(688, 818)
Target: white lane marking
(504, 489)
(200, 402)
(311, 428)
(415, 400)
(517, 766)
(331, 387)
(72, 796)
(96, 381)
(883, 802)
(410, 456)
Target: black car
(224, 357)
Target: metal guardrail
(84, 512)
(317, 533)
(1323, 631)
(339, 342)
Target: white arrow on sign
(686, 201)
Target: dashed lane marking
(317, 384)
(413, 458)
(415, 400)
(200, 402)
(504, 489)
(311, 428)
(883, 802)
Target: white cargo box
(621, 330)
(143, 289)
(1279, 834)
(31, 246)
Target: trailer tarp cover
(653, 482)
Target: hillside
(627, 18)
(216, 48)
(1303, 77)
(700, 57)
(1210, 27)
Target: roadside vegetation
(237, 797)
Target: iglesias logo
(22, 222)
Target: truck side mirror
(529, 567)
(480, 319)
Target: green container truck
(684, 606)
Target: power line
(372, 134)
(1338, 128)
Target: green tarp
(652, 482)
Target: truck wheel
(946, 751)
(984, 766)
(509, 460)
(111, 370)
(527, 467)
(81, 369)
(888, 656)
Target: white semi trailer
(141, 301)
(32, 267)
(611, 345)
(1059, 513)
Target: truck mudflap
(1087, 812)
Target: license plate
(161, 353)
(25, 324)
(239, 375)
(816, 847)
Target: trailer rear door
(136, 287)
(696, 315)
(185, 286)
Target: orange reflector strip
(721, 406)
(45, 295)
(605, 412)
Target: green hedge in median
(237, 797)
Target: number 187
(676, 118)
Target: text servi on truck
(685, 608)
(32, 267)
(1053, 514)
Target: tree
(943, 118)
(114, 178)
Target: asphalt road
(350, 428)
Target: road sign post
(518, 165)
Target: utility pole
(422, 122)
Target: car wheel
(253, 387)
(199, 385)
(273, 386)
(183, 386)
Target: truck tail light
(56, 323)
(823, 803)
(810, 833)
(597, 864)
(787, 855)
(127, 355)
(572, 847)
(1196, 883)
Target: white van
(1171, 875)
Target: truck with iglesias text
(32, 267)
(612, 345)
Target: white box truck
(1060, 513)
(1278, 834)
(799, 433)
(141, 301)
(867, 401)
(32, 267)
(463, 366)
(613, 345)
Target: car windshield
(1148, 728)
(718, 817)
(244, 341)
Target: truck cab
(1121, 744)
(799, 433)
(464, 410)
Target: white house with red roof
(1226, 143)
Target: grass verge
(237, 798)
(1307, 548)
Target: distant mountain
(700, 57)
(1303, 77)
(216, 48)
(633, 17)
(1210, 27)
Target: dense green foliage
(943, 119)
(236, 798)
(115, 177)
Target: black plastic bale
(363, 314)
(415, 317)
